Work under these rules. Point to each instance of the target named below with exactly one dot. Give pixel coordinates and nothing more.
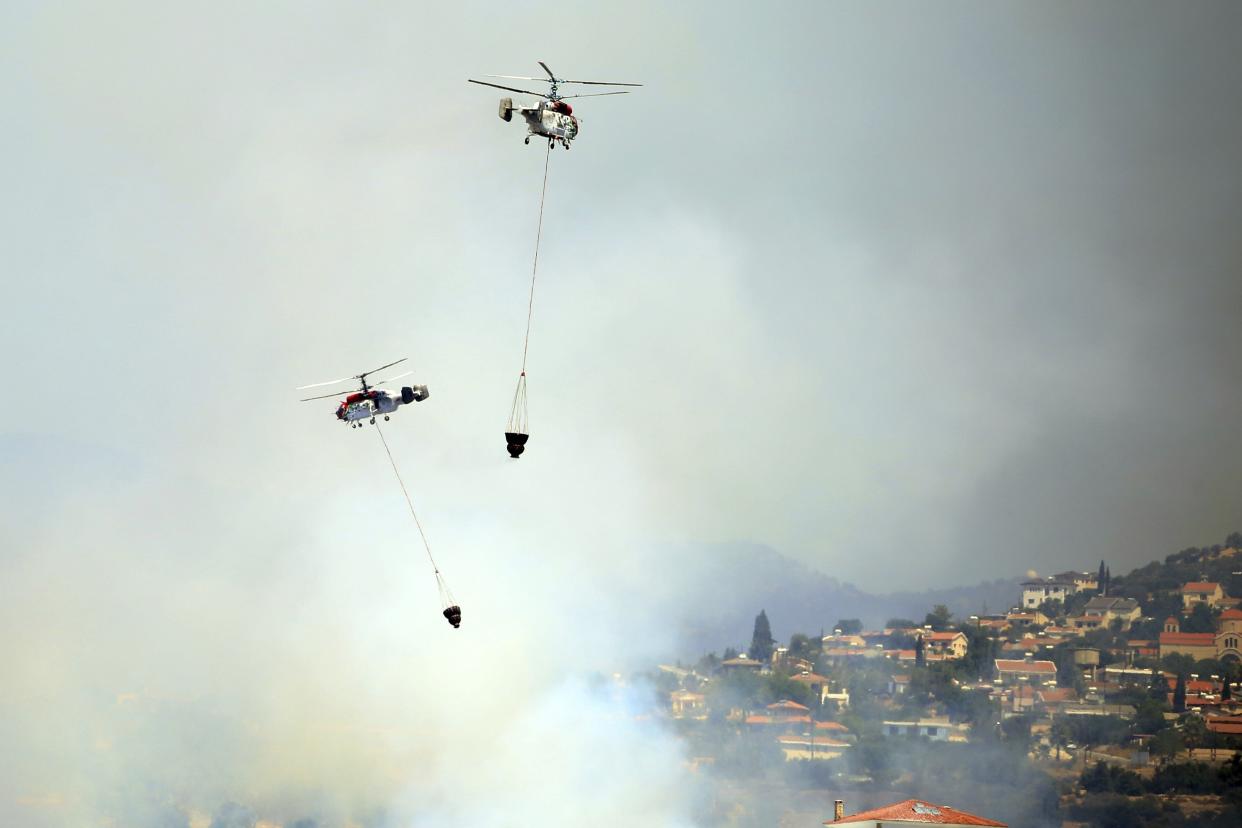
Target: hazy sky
(917, 295)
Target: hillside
(727, 584)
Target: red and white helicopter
(552, 117)
(369, 401)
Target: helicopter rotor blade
(518, 77)
(549, 71)
(381, 368)
(507, 88)
(390, 379)
(335, 396)
(593, 95)
(321, 384)
(601, 83)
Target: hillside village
(1104, 686)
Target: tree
(920, 657)
(761, 642)
(1226, 694)
(778, 688)
(1194, 730)
(1159, 687)
(1100, 583)
(1149, 718)
(1017, 729)
(849, 626)
(899, 624)
(1167, 743)
(1068, 674)
(1108, 580)
(1053, 608)
(938, 619)
(1179, 694)
(801, 646)
(1179, 663)
(981, 652)
(1200, 620)
(1060, 734)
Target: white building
(937, 730)
(1035, 593)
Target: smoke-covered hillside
(725, 585)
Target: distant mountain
(725, 586)
(717, 590)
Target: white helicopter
(369, 401)
(551, 118)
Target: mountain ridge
(728, 584)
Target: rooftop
(916, 810)
(786, 704)
(943, 636)
(741, 661)
(1058, 695)
(1105, 602)
(1171, 639)
(1006, 665)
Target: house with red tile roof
(817, 684)
(760, 720)
(1085, 581)
(1055, 699)
(1201, 592)
(1100, 612)
(785, 709)
(836, 728)
(1014, 671)
(1143, 648)
(1028, 646)
(1020, 698)
(950, 645)
(1062, 633)
(1027, 619)
(911, 812)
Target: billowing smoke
(837, 298)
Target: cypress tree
(1159, 687)
(1179, 695)
(1100, 582)
(761, 642)
(920, 658)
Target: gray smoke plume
(949, 291)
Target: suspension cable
(530, 305)
(409, 502)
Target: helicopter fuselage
(550, 119)
(363, 405)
